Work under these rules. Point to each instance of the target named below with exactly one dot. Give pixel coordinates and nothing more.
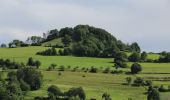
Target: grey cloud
(144, 21)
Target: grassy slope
(53, 42)
(94, 84)
(22, 54)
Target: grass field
(94, 84)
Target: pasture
(95, 84)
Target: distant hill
(85, 40)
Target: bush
(62, 68)
(31, 62)
(106, 96)
(117, 72)
(107, 70)
(162, 89)
(139, 81)
(136, 68)
(49, 52)
(55, 90)
(93, 70)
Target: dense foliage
(136, 68)
(54, 93)
(31, 77)
(86, 40)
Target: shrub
(62, 68)
(93, 70)
(107, 70)
(139, 81)
(136, 68)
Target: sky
(144, 21)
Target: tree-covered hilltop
(85, 40)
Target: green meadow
(95, 84)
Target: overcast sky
(144, 21)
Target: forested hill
(87, 40)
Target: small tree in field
(136, 68)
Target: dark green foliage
(30, 76)
(37, 63)
(144, 56)
(31, 62)
(134, 57)
(52, 34)
(62, 68)
(120, 60)
(93, 70)
(139, 81)
(136, 68)
(24, 86)
(54, 93)
(73, 92)
(120, 56)
(49, 52)
(164, 58)
(90, 41)
(66, 40)
(153, 94)
(10, 65)
(16, 43)
(135, 47)
(117, 72)
(66, 31)
(163, 89)
(106, 70)
(60, 52)
(106, 96)
(55, 90)
(51, 67)
(10, 89)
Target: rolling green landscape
(82, 63)
(95, 84)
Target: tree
(120, 56)
(31, 76)
(16, 43)
(37, 63)
(143, 56)
(66, 40)
(30, 61)
(34, 40)
(73, 92)
(153, 94)
(136, 68)
(66, 31)
(135, 47)
(3, 45)
(120, 60)
(55, 90)
(134, 57)
(52, 34)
